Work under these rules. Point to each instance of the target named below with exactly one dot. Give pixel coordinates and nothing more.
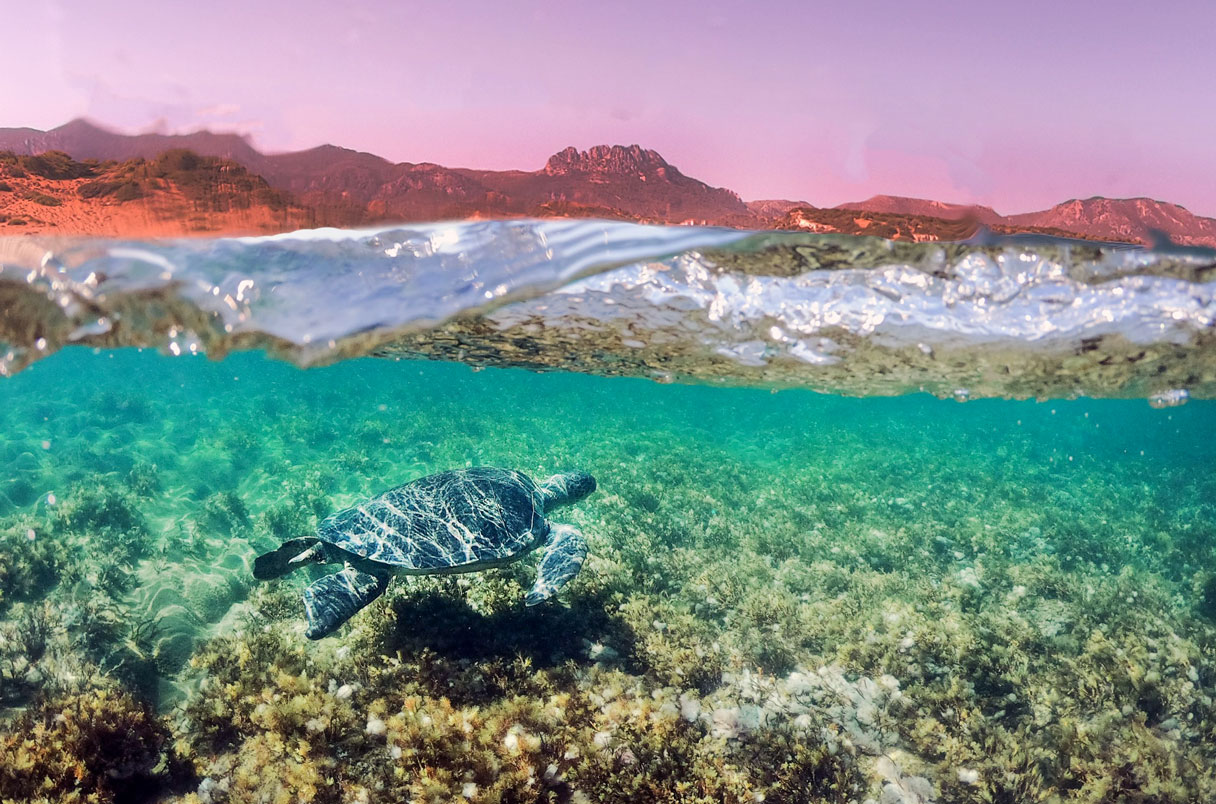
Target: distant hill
(1127, 219)
(178, 192)
(895, 226)
(329, 185)
(84, 140)
(917, 228)
(902, 205)
(772, 209)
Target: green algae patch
(340, 728)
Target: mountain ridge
(345, 187)
(358, 187)
(1139, 218)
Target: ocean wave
(1011, 317)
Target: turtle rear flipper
(336, 598)
(564, 554)
(278, 563)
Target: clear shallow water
(801, 596)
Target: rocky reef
(94, 745)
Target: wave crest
(1015, 317)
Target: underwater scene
(726, 517)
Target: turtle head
(567, 488)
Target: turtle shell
(459, 519)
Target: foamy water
(1013, 318)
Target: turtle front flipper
(564, 554)
(336, 598)
(291, 555)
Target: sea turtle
(462, 520)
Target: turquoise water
(789, 596)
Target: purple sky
(1017, 105)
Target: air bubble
(183, 342)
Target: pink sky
(1015, 105)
